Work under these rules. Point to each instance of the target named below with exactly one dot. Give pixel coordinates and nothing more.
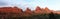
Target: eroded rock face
(38, 10)
(43, 11)
(17, 10)
(28, 12)
(47, 10)
(10, 10)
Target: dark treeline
(38, 16)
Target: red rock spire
(47, 10)
(28, 9)
(28, 12)
(38, 8)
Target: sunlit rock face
(10, 10)
(37, 10)
(43, 11)
(47, 11)
(27, 12)
(17, 10)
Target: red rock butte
(10, 9)
(28, 11)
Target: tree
(51, 16)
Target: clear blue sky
(51, 4)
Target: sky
(32, 4)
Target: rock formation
(10, 10)
(47, 10)
(38, 10)
(28, 12)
